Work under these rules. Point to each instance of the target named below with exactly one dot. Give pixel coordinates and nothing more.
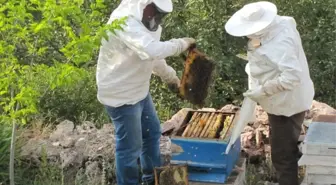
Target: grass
(258, 174)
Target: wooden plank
(305, 182)
(316, 160)
(236, 178)
(330, 118)
(322, 170)
(322, 179)
(324, 150)
(320, 139)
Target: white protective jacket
(281, 60)
(127, 60)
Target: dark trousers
(284, 135)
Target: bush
(5, 136)
(76, 101)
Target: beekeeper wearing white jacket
(279, 79)
(125, 65)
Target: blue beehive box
(206, 157)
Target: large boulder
(319, 108)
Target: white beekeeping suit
(127, 60)
(279, 78)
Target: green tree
(42, 45)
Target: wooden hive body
(203, 145)
(319, 154)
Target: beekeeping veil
(135, 9)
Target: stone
(65, 128)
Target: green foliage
(316, 23)
(76, 101)
(35, 33)
(49, 31)
(45, 173)
(5, 141)
(48, 51)
(48, 173)
(42, 45)
(5, 135)
(205, 20)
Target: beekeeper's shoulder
(288, 33)
(288, 25)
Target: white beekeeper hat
(164, 5)
(251, 19)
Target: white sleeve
(286, 58)
(144, 44)
(164, 71)
(252, 83)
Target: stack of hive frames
(211, 125)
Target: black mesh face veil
(152, 22)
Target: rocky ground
(85, 153)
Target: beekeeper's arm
(165, 72)
(146, 46)
(286, 58)
(252, 83)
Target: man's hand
(256, 94)
(187, 42)
(273, 87)
(183, 44)
(174, 85)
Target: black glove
(174, 85)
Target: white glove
(187, 42)
(256, 94)
(182, 44)
(273, 86)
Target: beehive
(203, 139)
(319, 154)
(196, 78)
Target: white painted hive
(320, 139)
(319, 154)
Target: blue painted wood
(211, 177)
(206, 159)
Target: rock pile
(84, 152)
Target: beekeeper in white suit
(279, 79)
(125, 65)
